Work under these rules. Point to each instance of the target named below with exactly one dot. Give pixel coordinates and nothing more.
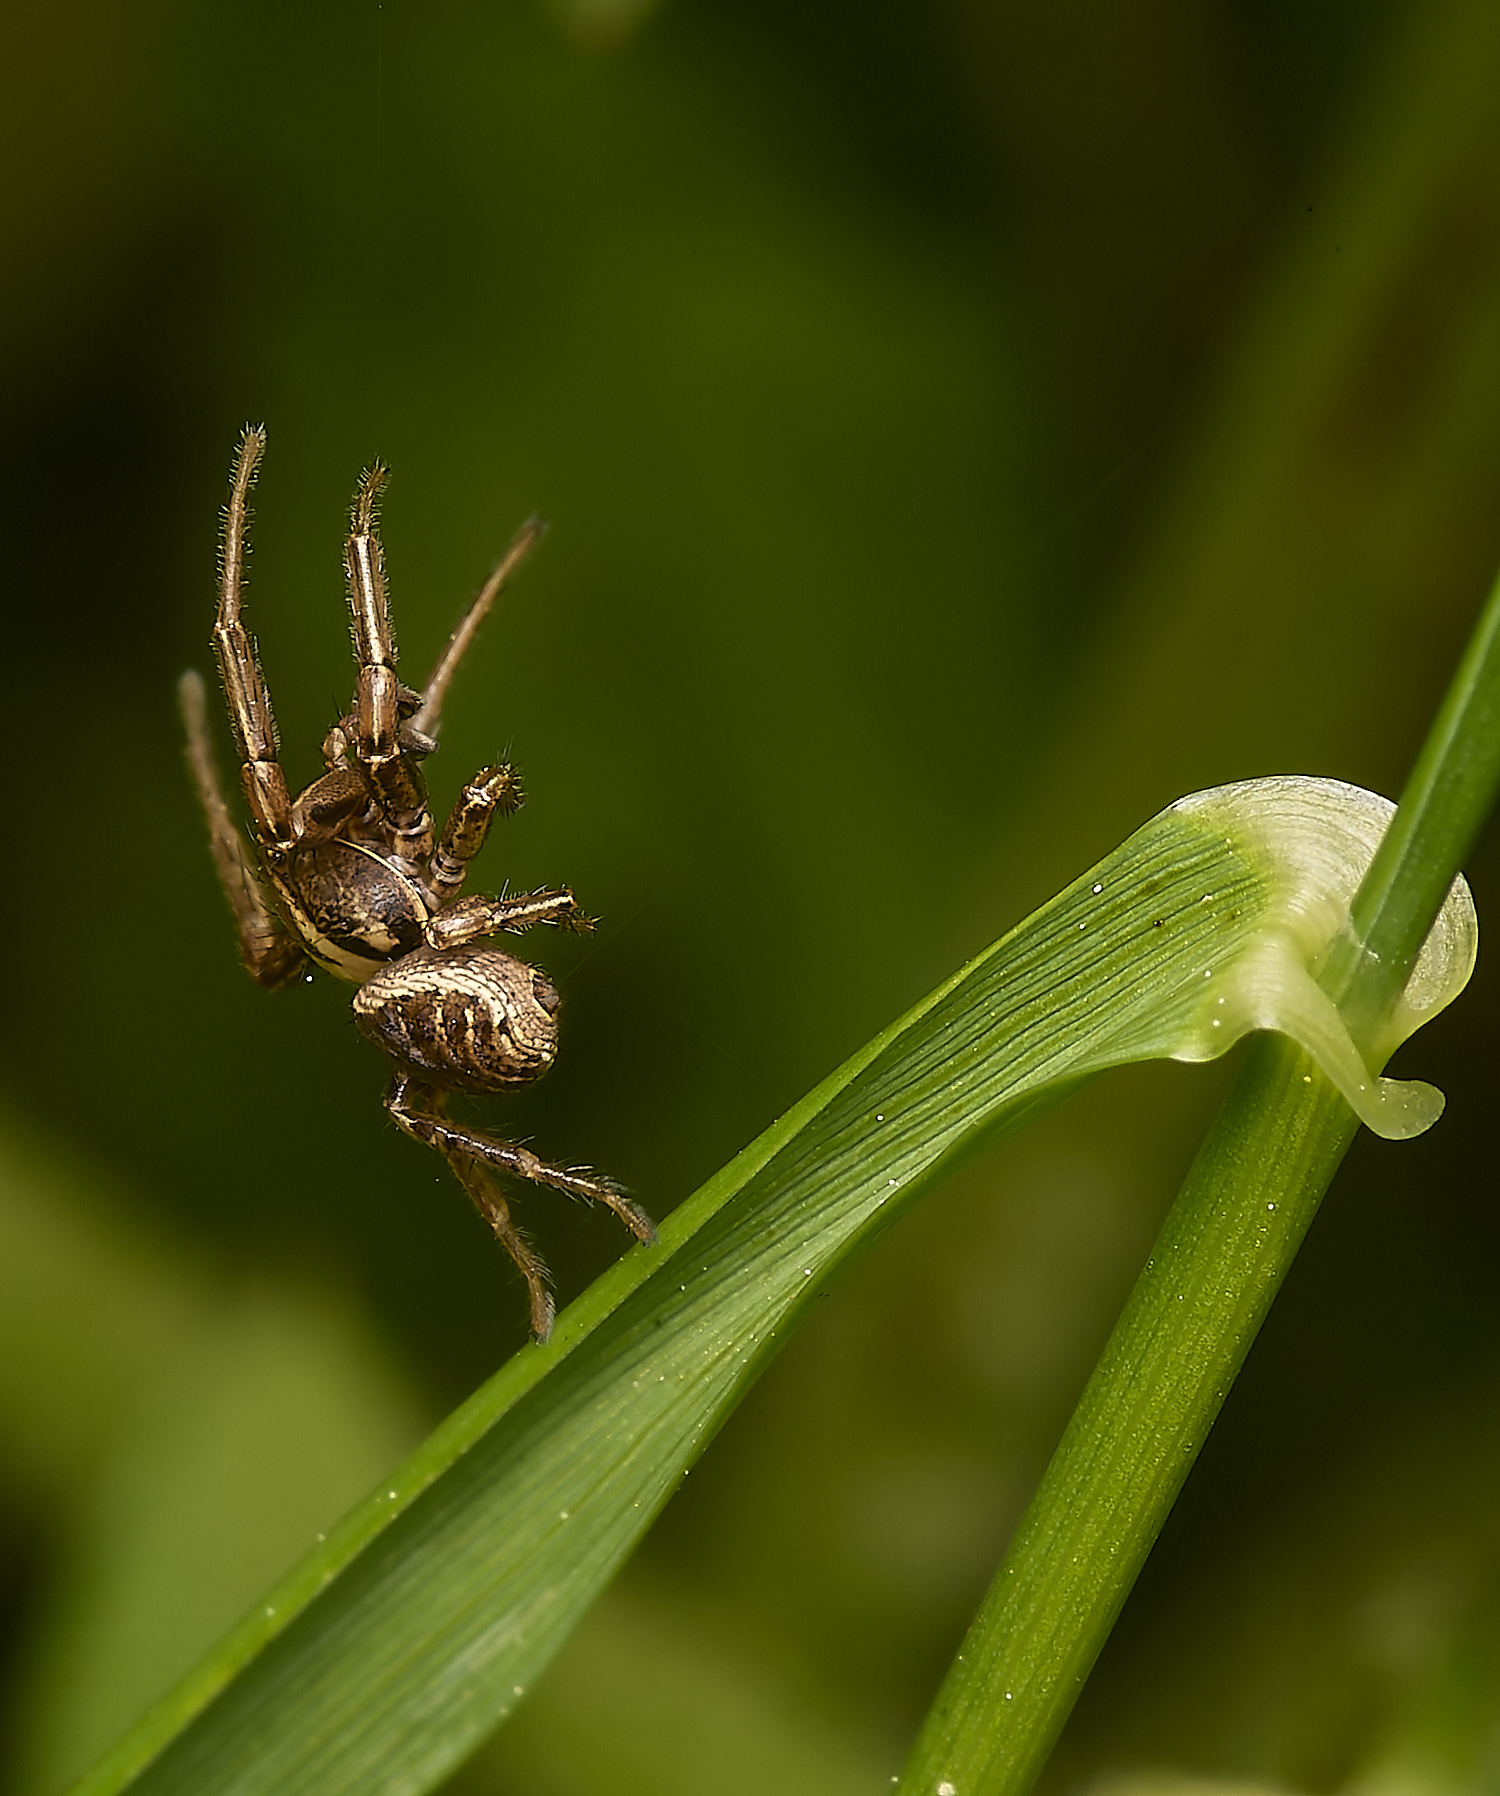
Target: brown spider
(362, 884)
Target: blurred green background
(965, 428)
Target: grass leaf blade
(392, 1651)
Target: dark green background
(964, 428)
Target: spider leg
(492, 789)
(471, 919)
(418, 1110)
(271, 956)
(492, 1206)
(521, 544)
(239, 665)
(389, 769)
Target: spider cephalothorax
(362, 883)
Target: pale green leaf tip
(1314, 839)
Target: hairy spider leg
(271, 956)
(492, 791)
(390, 771)
(239, 665)
(521, 544)
(418, 1110)
(471, 919)
(492, 1206)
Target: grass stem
(1216, 1266)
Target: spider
(362, 884)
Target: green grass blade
(391, 1652)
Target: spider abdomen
(464, 1019)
